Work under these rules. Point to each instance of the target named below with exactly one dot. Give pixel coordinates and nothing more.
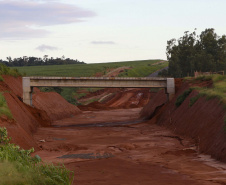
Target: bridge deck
(105, 82)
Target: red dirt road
(135, 154)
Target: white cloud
(44, 48)
(103, 42)
(18, 18)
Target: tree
(192, 52)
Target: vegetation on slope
(17, 167)
(4, 109)
(217, 91)
(4, 70)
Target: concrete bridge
(105, 82)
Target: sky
(97, 31)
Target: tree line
(192, 52)
(35, 61)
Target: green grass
(139, 68)
(143, 70)
(4, 109)
(217, 91)
(17, 167)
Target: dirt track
(141, 153)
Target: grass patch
(4, 109)
(182, 97)
(218, 90)
(142, 70)
(203, 78)
(17, 167)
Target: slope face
(26, 119)
(54, 105)
(203, 121)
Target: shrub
(18, 167)
(204, 78)
(4, 70)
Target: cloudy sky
(102, 30)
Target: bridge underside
(105, 82)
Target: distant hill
(138, 68)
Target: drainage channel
(106, 124)
(87, 156)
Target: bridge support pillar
(170, 89)
(27, 91)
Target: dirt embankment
(116, 98)
(204, 121)
(27, 119)
(54, 105)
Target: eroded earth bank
(111, 143)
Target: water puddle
(106, 124)
(87, 156)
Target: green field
(139, 68)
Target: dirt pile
(54, 105)
(203, 121)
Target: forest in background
(36, 61)
(205, 53)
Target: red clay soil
(120, 98)
(54, 105)
(135, 154)
(153, 105)
(143, 153)
(204, 122)
(26, 118)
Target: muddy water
(105, 124)
(129, 154)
